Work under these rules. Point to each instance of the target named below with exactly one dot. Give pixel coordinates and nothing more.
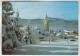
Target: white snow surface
(8, 41)
(59, 47)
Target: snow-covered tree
(9, 36)
(28, 33)
(30, 37)
(18, 25)
(7, 11)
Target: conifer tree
(9, 37)
(28, 33)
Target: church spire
(46, 15)
(46, 23)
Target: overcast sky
(33, 10)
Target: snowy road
(44, 48)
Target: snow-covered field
(59, 47)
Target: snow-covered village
(48, 36)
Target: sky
(33, 10)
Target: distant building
(46, 23)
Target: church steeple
(46, 23)
(46, 15)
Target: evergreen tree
(17, 26)
(28, 33)
(9, 37)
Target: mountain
(54, 23)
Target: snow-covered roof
(36, 34)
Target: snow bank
(8, 41)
